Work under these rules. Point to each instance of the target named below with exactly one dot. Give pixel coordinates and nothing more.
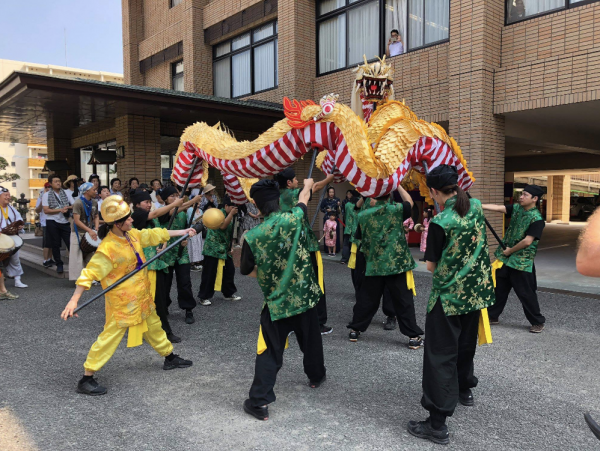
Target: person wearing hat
(70, 185)
(9, 216)
(129, 306)
(146, 218)
(514, 267)
(85, 220)
(388, 264)
(289, 195)
(218, 270)
(177, 260)
(458, 256)
(276, 252)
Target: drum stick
(198, 229)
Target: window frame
(172, 3)
(567, 7)
(382, 38)
(176, 75)
(250, 47)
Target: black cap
(140, 196)
(166, 192)
(264, 191)
(442, 176)
(534, 190)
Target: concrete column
(474, 54)
(133, 31)
(559, 198)
(58, 137)
(140, 135)
(565, 206)
(549, 199)
(197, 56)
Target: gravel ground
(533, 389)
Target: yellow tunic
(131, 302)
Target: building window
(175, 3)
(349, 29)
(14, 184)
(13, 164)
(177, 76)
(518, 10)
(246, 64)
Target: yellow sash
(320, 268)
(261, 345)
(495, 267)
(352, 260)
(136, 333)
(219, 279)
(410, 282)
(484, 332)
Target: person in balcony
(394, 46)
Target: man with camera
(57, 205)
(395, 46)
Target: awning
(103, 157)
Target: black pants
(525, 286)
(369, 295)
(55, 232)
(308, 333)
(346, 248)
(185, 295)
(209, 275)
(322, 305)
(448, 359)
(358, 275)
(161, 300)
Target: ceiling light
(536, 151)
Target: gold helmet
(212, 218)
(114, 208)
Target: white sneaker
(204, 302)
(19, 284)
(235, 297)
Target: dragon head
(373, 84)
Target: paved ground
(533, 389)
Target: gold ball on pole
(213, 218)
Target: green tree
(8, 176)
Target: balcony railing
(37, 183)
(36, 163)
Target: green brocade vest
(365, 206)
(172, 257)
(151, 251)
(462, 279)
(288, 199)
(351, 219)
(384, 241)
(218, 242)
(285, 273)
(520, 221)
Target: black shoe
(354, 334)
(325, 330)
(90, 387)
(465, 397)
(390, 323)
(59, 268)
(173, 338)
(260, 413)
(423, 429)
(49, 263)
(422, 260)
(416, 343)
(317, 384)
(177, 362)
(494, 321)
(189, 317)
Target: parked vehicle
(582, 207)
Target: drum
(6, 246)
(13, 228)
(18, 243)
(88, 245)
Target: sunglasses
(3, 190)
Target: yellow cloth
(495, 267)
(261, 345)
(352, 260)
(4, 212)
(108, 341)
(410, 282)
(320, 268)
(136, 333)
(485, 331)
(132, 301)
(219, 278)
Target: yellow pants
(108, 341)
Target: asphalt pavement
(532, 393)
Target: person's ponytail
(103, 230)
(463, 203)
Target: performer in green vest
(457, 253)
(218, 270)
(514, 266)
(350, 216)
(289, 193)
(277, 253)
(389, 264)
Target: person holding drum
(84, 230)
(11, 223)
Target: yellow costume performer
(129, 306)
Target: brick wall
(551, 60)
(94, 133)
(218, 10)
(140, 135)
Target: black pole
(312, 164)
(185, 187)
(320, 200)
(189, 223)
(132, 273)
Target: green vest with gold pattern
(520, 221)
(384, 241)
(288, 199)
(218, 242)
(175, 255)
(285, 272)
(462, 279)
(351, 219)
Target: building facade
(513, 82)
